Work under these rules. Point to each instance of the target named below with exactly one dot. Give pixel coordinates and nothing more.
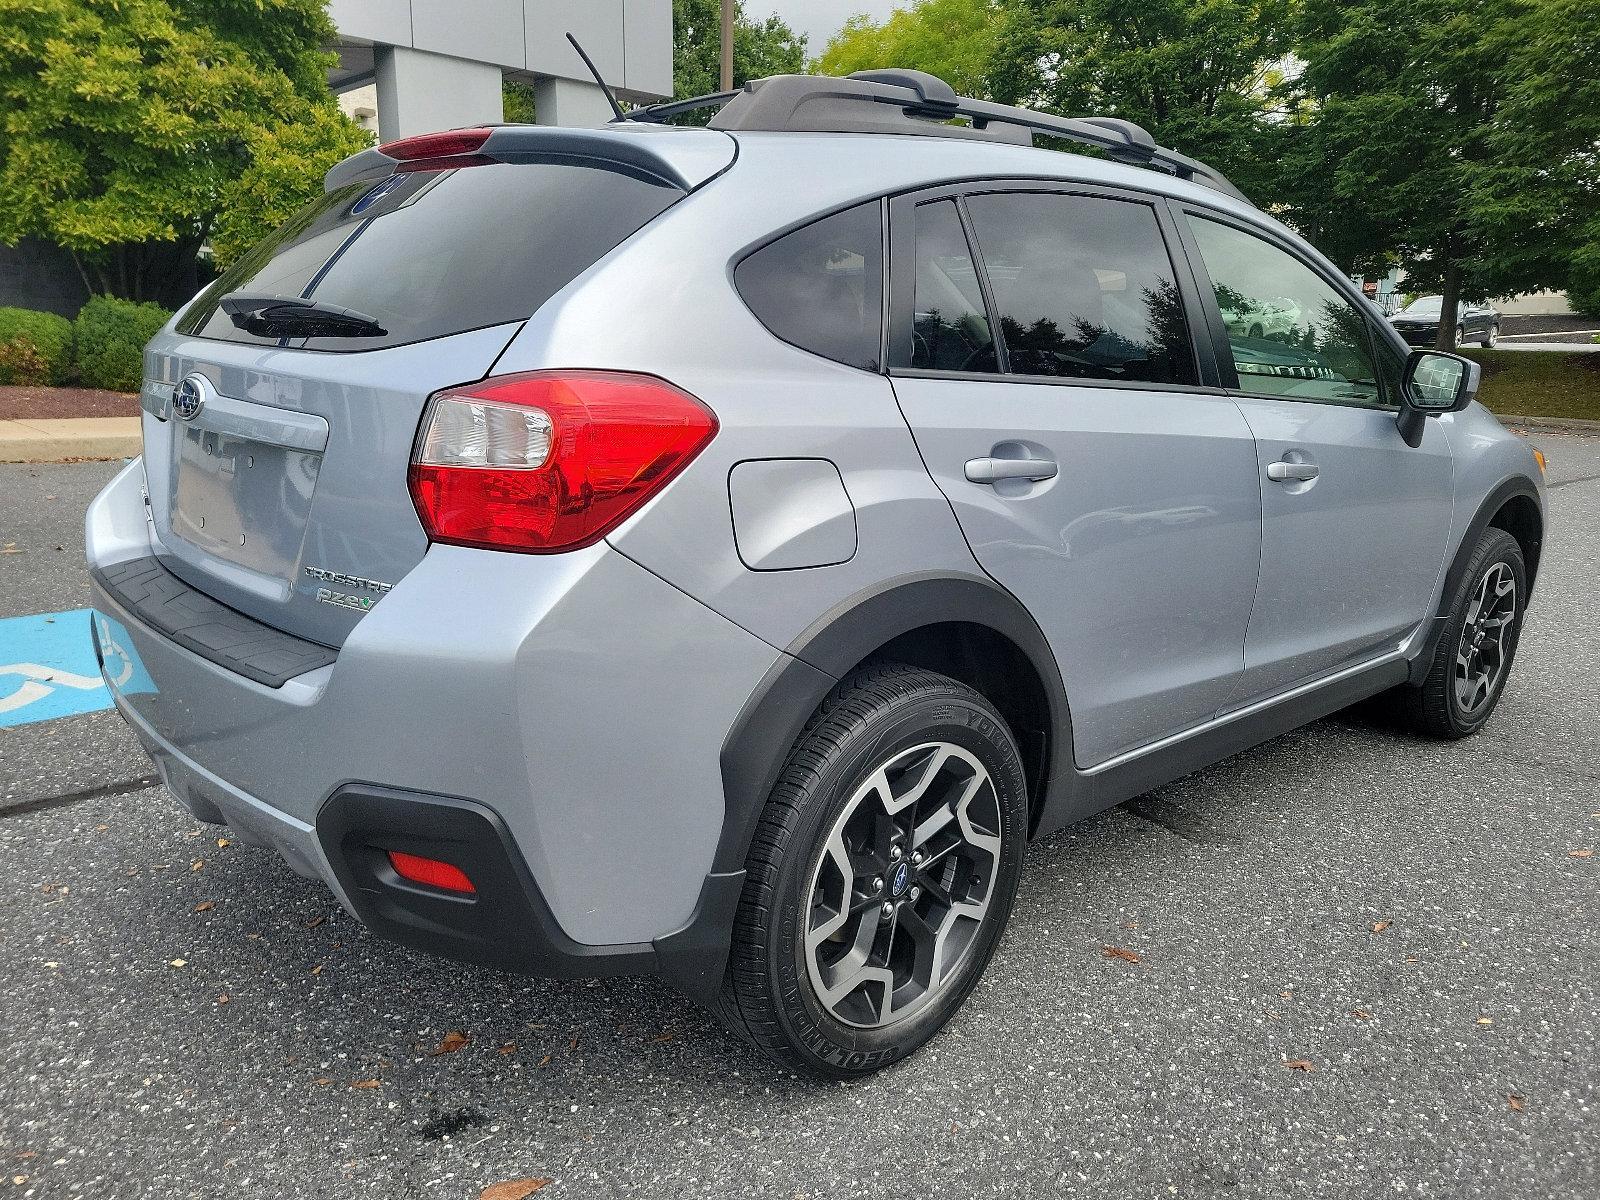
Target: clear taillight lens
(550, 460)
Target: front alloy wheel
(1482, 654)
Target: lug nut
(895, 853)
(877, 883)
(888, 911)
(915, 892)
(916, 858)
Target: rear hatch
(276, 453)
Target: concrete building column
(420, 92)
(569, 102)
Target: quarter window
(821, 287)
(1083, 287)
(1291, 333)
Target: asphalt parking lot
(1368, 966)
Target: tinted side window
(1083, 287)
(432, 253)
(1291, 333)
(950, 331)
(821, 287)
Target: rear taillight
(550, 460)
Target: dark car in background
(1418, 322)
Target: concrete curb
(1552, 424)
(73, 437)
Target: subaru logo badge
(189, 397)
(902, 875)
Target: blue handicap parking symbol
(48, 667)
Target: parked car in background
(1418, 322)
(1276, 316)
(589, 553)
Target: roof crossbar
(914, 102)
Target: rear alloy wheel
(1493, 336)
(881, 876)
(1470, 664)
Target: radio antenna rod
(595, 71)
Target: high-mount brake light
(431, 147)
(550, 460)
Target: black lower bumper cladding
(505, 923)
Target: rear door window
(950, 329)
(820, 287)
(431, 253)
(1083, 288)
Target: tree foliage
(1454, 138)
(760, 48)
(953, 39)
(130, 127)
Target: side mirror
(1434, 383)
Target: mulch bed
(48, 403)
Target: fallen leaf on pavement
(205, 906)
(224, 998)
(512, 1189)
(1485, 1020)
(197, 864)
(509, 1048)
(1119, 952)
(315, 921)
(10, 548)
(1516, 1103)
(223, 843)
(1301, 1064)
(545, 1061)
(317, 970)
(1380, 926)
(451, 1042)
(323, 1082)
(367, 1083)
(1361, 1014)
(178, 962)
(1580, 853)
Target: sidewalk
(64, 439)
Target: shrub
(111, 335)
(35, 347)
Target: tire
(1492, 336)
(1257, 331)
(1439, 706)
(1460, 334)
(928, 738)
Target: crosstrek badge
(355, 585)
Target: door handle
(1285, 472)
(993, 470)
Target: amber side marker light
(1538, 457)
(430, 871)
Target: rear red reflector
(430, 871)
(437, 145)
(550, 460)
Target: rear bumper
(576, 703)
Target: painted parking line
(48, 667)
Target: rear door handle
(1284, 472)
(993, 470)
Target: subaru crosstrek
(719, 551)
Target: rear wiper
(295, 316)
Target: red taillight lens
(436, 145)
(550, 460)
(430, 871)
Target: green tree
(1455, 138)
(953, 39)
(760, 48)
(1198, 74)
(130, 130)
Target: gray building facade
(438, 64)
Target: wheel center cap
(899, 880)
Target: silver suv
(719, 551)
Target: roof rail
(915, 102)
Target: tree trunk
(1450, 304)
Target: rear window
(438, 252)
(821, 287)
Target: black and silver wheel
(881, 876)
(1474, 655)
